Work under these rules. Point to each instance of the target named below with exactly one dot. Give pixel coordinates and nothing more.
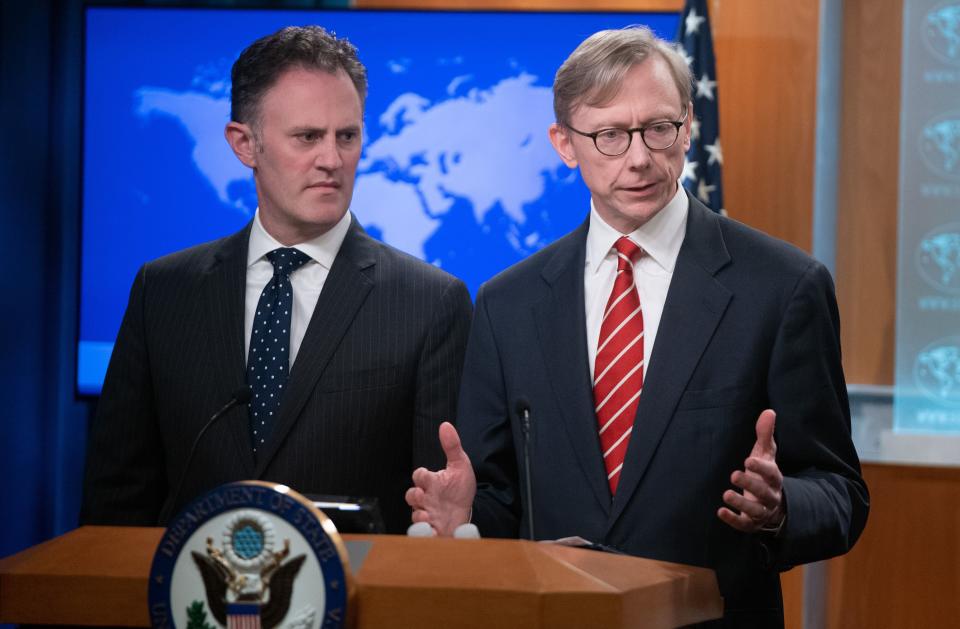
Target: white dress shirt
(660, 238)
(307, 281)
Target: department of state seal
(250, 555)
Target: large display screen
(927, 372)
(456, 169)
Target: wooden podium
(98, 576)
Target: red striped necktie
(618, 371)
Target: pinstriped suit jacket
(377, 372)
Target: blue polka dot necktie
(269, 360)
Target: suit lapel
(561, 317)
(225, 282)
(695, 304)
(344, 291)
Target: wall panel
(867, 204)
(767, 62)
(905, 570)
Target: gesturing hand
(761, 503)
(443, 499)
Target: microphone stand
(523, 409)
(240, 397)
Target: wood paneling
(867, 205)
(791, 582)
(99, 575)
(905, 570)
(767, 68)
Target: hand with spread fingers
(760, 505)
(444, 499)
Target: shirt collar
(323, 249)
(660, 237)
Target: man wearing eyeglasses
(682, 370)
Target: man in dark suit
(652, 346)
(352, 350)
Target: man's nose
(328, 154)
(638, 155)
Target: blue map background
(456, 168)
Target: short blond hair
(593, 73)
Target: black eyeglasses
(657, 136)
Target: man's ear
(241, 139)
(561, 141)
(688, 128)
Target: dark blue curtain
(42, 425)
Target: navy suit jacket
(749, 323)
(377, 372)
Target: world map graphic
(456, 168)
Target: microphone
(240, 397)
(421, 529)
(523, 411)
(466, 531)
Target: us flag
(703, 168)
